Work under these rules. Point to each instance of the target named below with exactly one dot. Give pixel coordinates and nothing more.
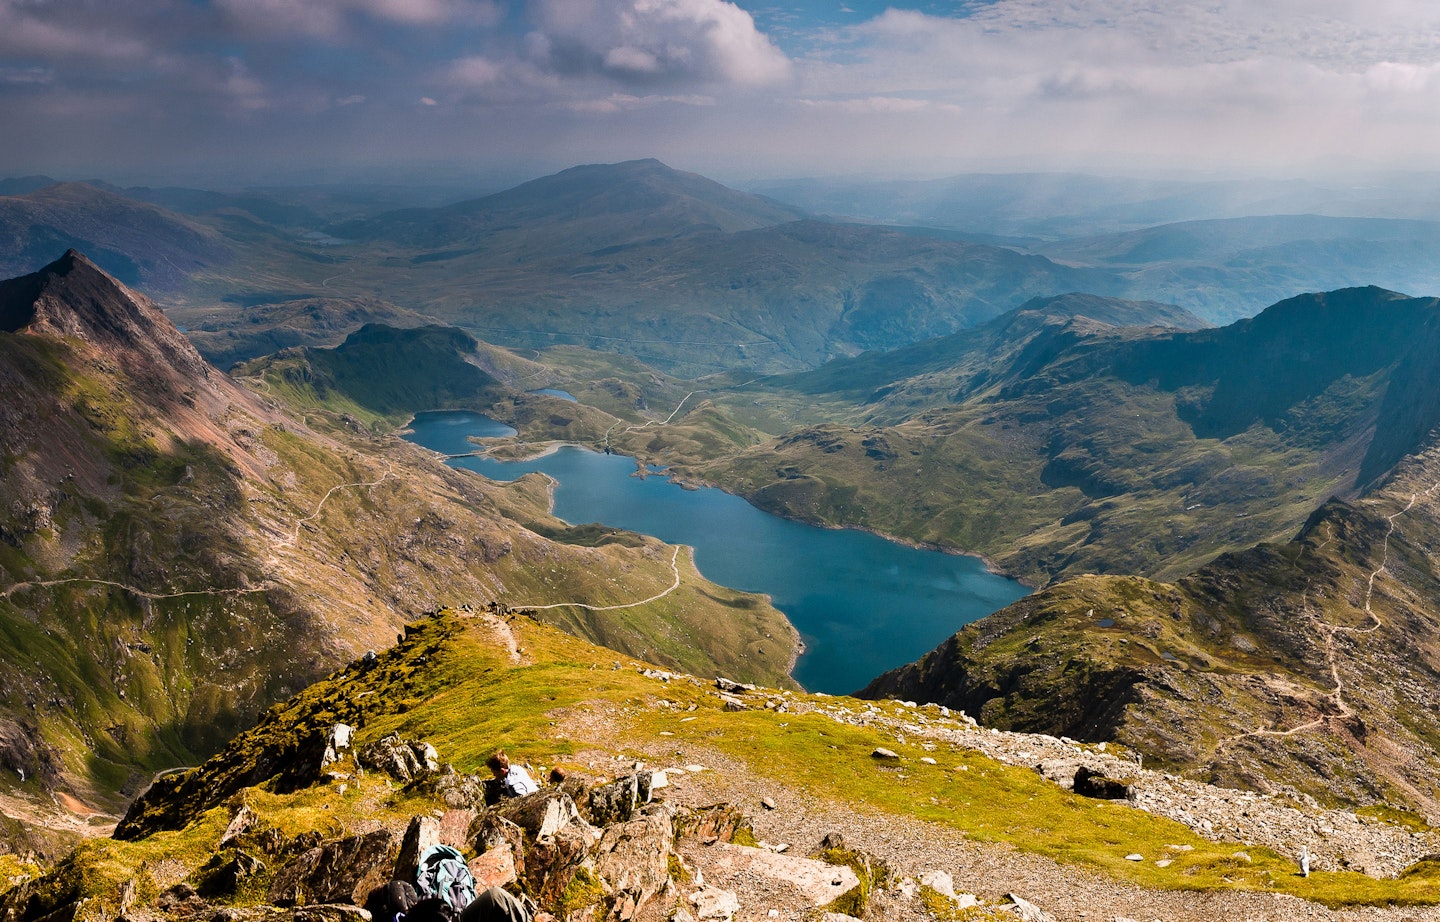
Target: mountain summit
(74, 298)
(581, 209)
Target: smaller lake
(556, 392)
(862, 604)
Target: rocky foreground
(664, 816)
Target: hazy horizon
(190, 91)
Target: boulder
(403, 760)
(457, 791)
(490, 832)
(545, 813)
(241, 821)
(455, 827)
(614, 802)
(817, 882)
(1059, 771)
(939, 881)
(1026, 910)
(715, 904)
(715, 823)
(229, 876)
(1091, 783)
(633, 859)
(555, 868)
(495, 868)
(344, 871)
(423, 832)
(337, 743)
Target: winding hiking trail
(674, 566)
(13, 588)
(649, 423)
(300, 523)
(152, 596)
(1343, 710)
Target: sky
(174, 91)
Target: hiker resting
(514, 780)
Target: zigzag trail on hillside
(1337, 694)
(133, 590)
(653, 422)
(13, 588)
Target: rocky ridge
(660, 824)
(1285, 820)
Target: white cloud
(650, 41)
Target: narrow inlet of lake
(862, 604)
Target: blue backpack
(444, 874)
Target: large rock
(1026, 910)
(556, 868)
(495, 868)
(403, 760)
(1091, 783)
(614, 802)
(715, 823)
(337, 744)
(490, 832)
(422, 833)
(344, 871)
(634, 859)
(544, 813)
(816, 881)
(713, 904)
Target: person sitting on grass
(514, 780)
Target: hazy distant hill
(1223, 270)
(137, 242)
(579, 209)
(1057, 206)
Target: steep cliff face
(1311, 664)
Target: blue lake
(862, 604)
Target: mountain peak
(72, 298)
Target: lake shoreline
(857, 602)
(545, 449)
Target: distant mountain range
(695, 277)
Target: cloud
(332, 18)
(65, 30)
(623, 102)
(655, 41)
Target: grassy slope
(1329, 636)
(1059, 447)
(469, 697)
(157, 598)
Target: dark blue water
(862, 604)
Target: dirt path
(674, 565)
(1342, 709)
